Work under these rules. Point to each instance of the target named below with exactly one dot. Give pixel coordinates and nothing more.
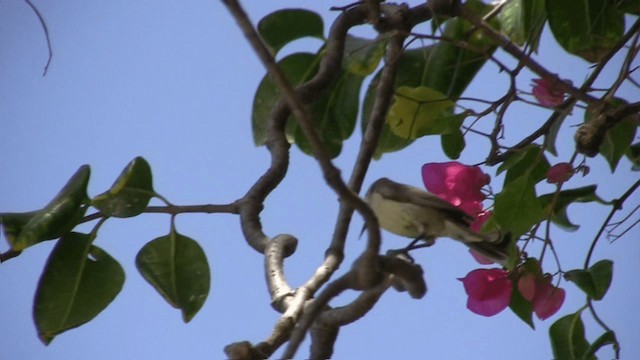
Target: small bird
(415, 213)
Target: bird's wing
(404, 193)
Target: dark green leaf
(521, 307)
(587, 28)
(629, 6)
(617, 141)
(334, 114)
(551, 136)
(522, 21)
(78, 282)
(284, 26)
(453, 144)
(362, 56)
(177, 268)
(594, 282)
(565, 198)
(517, 208)
(567, 338)
(130, 193)
(529, 161)
(421, 111)
(297, 68)
(58, 217)
(608, 338)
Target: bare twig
(46, 34)
(617, 205)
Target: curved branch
(46, 34)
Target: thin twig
(46, 34)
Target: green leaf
(608, 338)
(565, 198)
(567, 338)
(453, 144)
(552, 135)
(450, 68)
(517, 208)
(421, 111)
(529, 161)
(130, 193)
(521, 306)
(362, 56)
(284, 26)
(617, 141)
(594, 282)
(177, 268)
(78, 282)
(629, 6)
(522, 21)
(334, 114)
(297, 68)
(587, 28)
(58, 217)
(443, 67)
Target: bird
(418, 214)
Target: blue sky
(174, 82)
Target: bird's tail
(496, 246)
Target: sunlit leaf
(421, 111)
(362, 56)
(522, 21)
(587, 28)
(594, 282)
(284, 26)
(567, 338)
(177, 268)
(444, 67)
(78, 282)
(130, 193)
(564, 199)
(58, 217)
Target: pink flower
(547, 299)
(481, 259)
(547, 93)
(460, 185)
(489, 291)
(559, 173)
(455, 182)
(527, 286)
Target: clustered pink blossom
(490, 291)
(559, 173)
(460, 185)
(547, 93)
